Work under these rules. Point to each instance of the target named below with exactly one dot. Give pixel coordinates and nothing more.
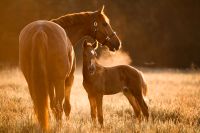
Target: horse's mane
(77, 18)
(72, 19)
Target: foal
(99, 81)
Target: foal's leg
(99, 109)
(68, 85)
(133, 103)
(93, 107)
(143, 105)
(59, 89)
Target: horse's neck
(76, 26)
(76, 33)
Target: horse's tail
(39, 77)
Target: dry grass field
(174, 105)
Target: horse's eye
(105, 24)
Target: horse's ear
(95, 45)
(84, 43)
(101, 11)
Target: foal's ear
(95, 45)
(84, 43)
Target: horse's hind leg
(133, 103)
(59, 89)
(68, 85)
(30, 87)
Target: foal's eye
(105, 24)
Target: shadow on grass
(166, 115)
(174, 116)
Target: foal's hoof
(147, 119)
(67, 118)
(101, 125)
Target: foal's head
(89, 56)
(103, 32)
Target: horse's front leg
(99, 101)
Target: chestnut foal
(99, 81)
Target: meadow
(174, 103)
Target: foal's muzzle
(91, 69)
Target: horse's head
(89, 56)
(103, 32)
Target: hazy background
(155, 33)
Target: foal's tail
(39, 87)
(144, 88)
(143, 85)
(141, 98)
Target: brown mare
(99, 81)
(47, 60)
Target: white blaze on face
(92, 62)
(92, 66)
(92, 52)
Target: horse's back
(59, 51)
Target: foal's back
(122, 75)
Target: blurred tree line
(155, 33)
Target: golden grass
(174, 105)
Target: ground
(174, 105)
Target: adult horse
(47, 60)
